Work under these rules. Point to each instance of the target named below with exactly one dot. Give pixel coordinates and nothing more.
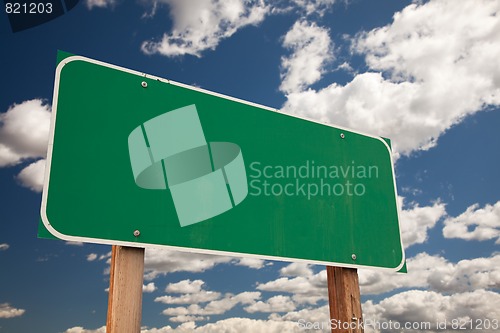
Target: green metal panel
(315, 192)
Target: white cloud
(71, 243)
(317, 7)
(106, 256)
(435, 273)
(297, 269)
(24, 131)
(475, 224)
(421, 267)
(201, 25)
(277, 303)
(230, 325)
(184, 319)
(163, 261)
(149, 288)
(7, 311)
(33, 176)
(367, 103)
(230, 301)
(199, 297)
(252, 263)
(192, 293)
(79, 329)
(438, 61)
(185, 287)
(215, 307)
(466, 275)
(414, 306)
(100, 3)
(312, 315)
(345, 66)
(304, 289)
(4, 246)
(416, 221)
(95, 257)
(417, 306)
(8, 156)
(311, 50)
(426, 271)
(240, 325)
(183, 328)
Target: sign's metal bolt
(353, 256)
(137, 233)
(144, 84)
(342, 135)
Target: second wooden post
(345, 300)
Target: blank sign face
(198, 171)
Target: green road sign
(139, 160)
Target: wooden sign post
(125, 290)
(344, 299)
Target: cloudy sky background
(424, 74)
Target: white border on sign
(59, 235)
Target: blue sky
(423, 73)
